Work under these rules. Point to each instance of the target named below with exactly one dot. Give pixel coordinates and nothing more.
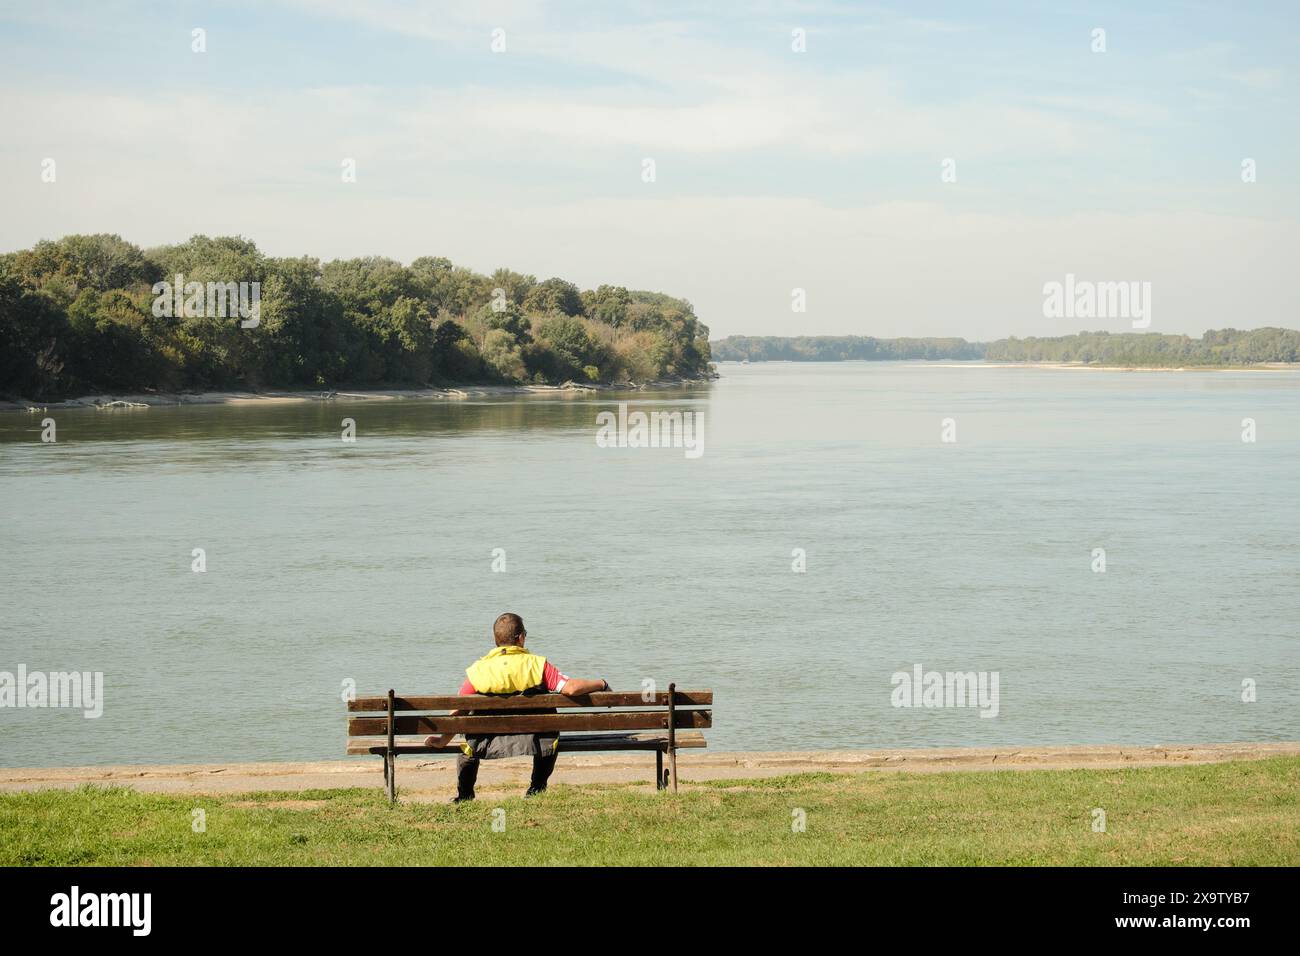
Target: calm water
(372, 561)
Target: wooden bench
(607, 721)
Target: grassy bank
(1229, 813)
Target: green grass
(1230, 813)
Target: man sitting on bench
(505, 672)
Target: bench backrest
(605, 711)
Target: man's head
(509, 630)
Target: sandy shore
(434, 777)
(151, 399)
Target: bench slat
(569, 743)
(530, 724)
(685, 698)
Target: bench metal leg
(390, 758)
(672, 732)
(659, 770)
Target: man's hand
(441, 740)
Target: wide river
(374, 563)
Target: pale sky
(774, 169)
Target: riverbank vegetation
(1221, 348)
(840, 348)
(78, 316)
(1241, 814)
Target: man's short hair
(508, 629)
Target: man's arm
(577, 687)
(558, 683)
(441, 740)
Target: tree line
(81, 314)
(1154, 349)
(1222, 347)
(839, 348)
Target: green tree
(502, 354)
(34, 342)
(100, 262)
(610, 304)
(554, 295)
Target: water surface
(372, 562)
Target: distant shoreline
(1146, 351)
(298, 396)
